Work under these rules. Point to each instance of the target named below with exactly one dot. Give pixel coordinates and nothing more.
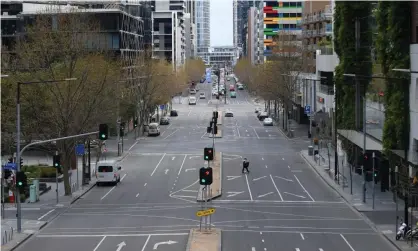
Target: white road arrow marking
(283, 178)
(120, 246)
(232, 177)
(296, 171)
(263, 195)
(231, 194)
(259, 178)
(300, 196)
(192, 157)
(166, 171)
(190, 169)
(162, 243)
(269, 135)
(173, 158)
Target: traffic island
(220, 118)
(218, 135)
(208, 240)
(215, 190)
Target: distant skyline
(221, 22)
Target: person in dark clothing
(245, 165)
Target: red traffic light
(207, 172)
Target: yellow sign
(206, 212)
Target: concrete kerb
(14, 244)
(331, 184)
(218, 135)
(210, 239)
(220, 118)
(216, 194)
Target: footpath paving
(350, 187)
(208, 240)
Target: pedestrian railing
(7, 235)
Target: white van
(154, 129)
(108, 171)
(192, 100)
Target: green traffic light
(206, 157)
(203, 181)
(19, 183)
(103, 136)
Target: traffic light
(135, 123)
(122, 131)
(215, 114)
(21, 181)
(205, 176)
(56, 159)
(21, 161)
(208, 153)
(215, 129)
(103, 131)
(209, 129)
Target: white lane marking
(190, 169)
(239, 135)
(272, 180)
(253, 249)
(173, 158)
(303, 237)
(263, 195)
(246, 130)
(193, 157)
(191, 191)
(232, 177)
(169, 126)
(166, 171)
(248, 135)
(282, 158)
(132, 146)
(283, 178)
(258, 137)
(123, 177)
(297, 249)
(100, 242)
(189, 113)
(249, 190)
(43, 216)
(185, 187)
(137, 195)
(262, 158)
(145, 184)
(104, 196)
(262, 240)
(184, 196)
(163, 133)
(231, 194)
(304, 188)
(288, 167)
(348, 244)
(109, 235)
(321, 249)
(267, 166)
(159, 162)
(296, 171)
(146, 242)
(171, 133)
(181, 167)
(259, 178)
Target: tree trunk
(66, 154)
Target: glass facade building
(202, 19)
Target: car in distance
(165, 121)
(229, 114)
(262, 115)
(233, 94)
(268, 122)
(192, 101)
(173, 113)
(202, 95)
(154, 129)
(192, 91)
(240, 87)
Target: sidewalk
(11, 239)
(382, 217)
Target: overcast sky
(220, 22)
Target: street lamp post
(18, 206)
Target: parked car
(154, 129)
(165, 121)
(192, 100)
(173, 113)
(262, 115)
(202, 95)
(233, 94)
(229, 114)
(268, 122)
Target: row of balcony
(326, 31)
(323, 15)
(325, 50)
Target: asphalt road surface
(280, 205)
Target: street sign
(162, 107)
(79, 149)
(10, 166)
(205, 212)
(307, 109)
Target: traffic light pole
(20, 152)
(373, 192)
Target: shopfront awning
(358, 139)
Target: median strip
(216, 187)
(218, 135)
(220, 118)
(208, 240)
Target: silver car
(268, 122)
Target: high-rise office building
(202, 20)
(280, 16)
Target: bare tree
(194, 69)
(57, 46)
(282, 71)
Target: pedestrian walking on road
(245, 165)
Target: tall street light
(18, 207)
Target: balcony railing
(324, 15)
(326, 50)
